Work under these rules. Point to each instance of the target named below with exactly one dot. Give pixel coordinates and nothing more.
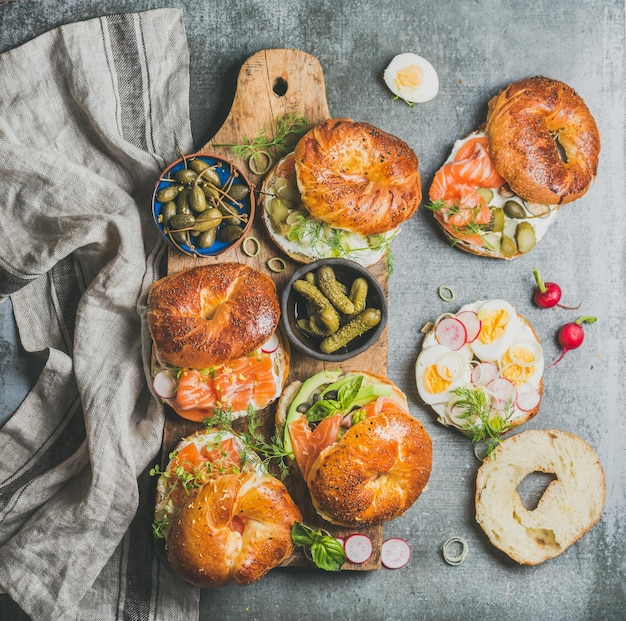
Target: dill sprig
(288, 128)
(482, 423)
(470, 227)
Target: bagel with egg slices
(223, 517)
(364, 458)
(502, 186)
(481, 369)
(344, 191)
(216, 340)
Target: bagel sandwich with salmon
(503, 184)
(364, 458)
(216, 339)
(344, 191)
(224, 519)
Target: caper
(197, 165)
(514, 210)
(167, 194)
(508, 247)
(180, 237)
(209, 174)
(167, 211)
(206, 239)
(197, 199)
(230, 233)
(210, 190)
(289, 192)
(207, 220)
(184, 175)
(525, 237)
(238, 192)
(486, 194)
(497, 220)
(182, 202)
(181, 221)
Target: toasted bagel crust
(375, 472)
(357, 177)
(524, 123)
(210, 314)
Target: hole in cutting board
(533, 486)
(280, 86)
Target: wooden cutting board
(272, 83)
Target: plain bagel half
(569, 507)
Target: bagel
(486, 354)
(568, 508)
(368, 460)
(543, 140)
(224, 519)
(502, 185)
(344, 191)
(216, 342)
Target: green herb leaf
(320, 546)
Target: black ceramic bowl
(294, 306)
(234, 194)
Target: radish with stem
(571, 336)
(548, 294)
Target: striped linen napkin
(89, 114)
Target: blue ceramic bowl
(229, 177)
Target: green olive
(167, 211)
(207, 220)
(230, 233)
(181, 221)
(525, 237)
(514, 210)
(497, 220)
(206, 239)
(508, 247)
(197, 199)
(167, 194)
(238, 192)
(486, 194)
(186, 176)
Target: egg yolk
(434, 383)
(409, 77)
(493, 326)
(514, 372)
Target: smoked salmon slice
(309, 443)
(455, 185)
(246, 381)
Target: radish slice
(358, 548)
(164, 385)
(528, 399)
(271, 345)
(501, 389)
(472, 324)
(483, 373)
(395, 553)
(451, 333)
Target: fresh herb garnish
(288, 128)
(470, 227)
(319, 546)
(340, 395)
(482, 422)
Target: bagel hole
(532, 488)
(280, 87)
(560, 149)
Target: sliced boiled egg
(412, 78)
(438, 371)
(499, 324)
(522, 362)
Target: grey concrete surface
(477, 47)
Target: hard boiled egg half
(412, 78)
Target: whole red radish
(548, 294)
(571, 336)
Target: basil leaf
(301, 534)
(328, 554)
(322, 409)
(348, 392)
